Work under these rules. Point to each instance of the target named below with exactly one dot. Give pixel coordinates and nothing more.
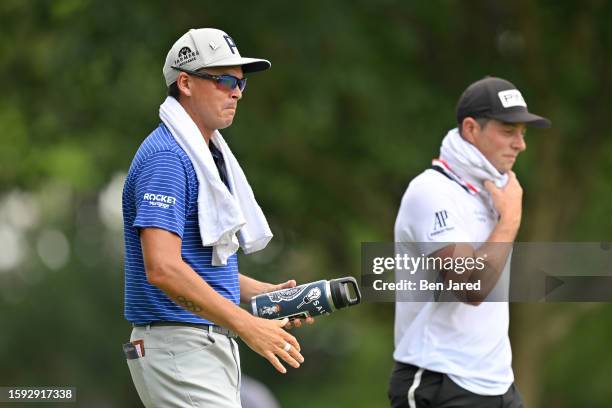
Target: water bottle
(310, 299)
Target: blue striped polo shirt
(161, 191)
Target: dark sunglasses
(228, 82)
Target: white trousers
(186, 367)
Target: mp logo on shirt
(440, 223)
(159, 200)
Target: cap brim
(248, 64)
(522, 117)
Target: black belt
(207, 327)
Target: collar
(443, 167)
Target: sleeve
(430, 218)
(161, 193)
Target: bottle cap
(340, 293)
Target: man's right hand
(269, 339)
(508, 201)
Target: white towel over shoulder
(221, 214)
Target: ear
(470, 129)
(184, 84)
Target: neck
(468, 161)
(206, 132)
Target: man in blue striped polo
(187, 207)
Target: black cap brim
(256, 66)
(522, 117)
(248, 64)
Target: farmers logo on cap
(185, 56)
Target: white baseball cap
(205, 48)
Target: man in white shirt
(457, 354)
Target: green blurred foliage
(356, 103)
(581, 357)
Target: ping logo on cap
(511, 97)
(230, 43)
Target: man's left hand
(296, 322)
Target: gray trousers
(186, 367)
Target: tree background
(357, 101)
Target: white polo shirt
(468, 343)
